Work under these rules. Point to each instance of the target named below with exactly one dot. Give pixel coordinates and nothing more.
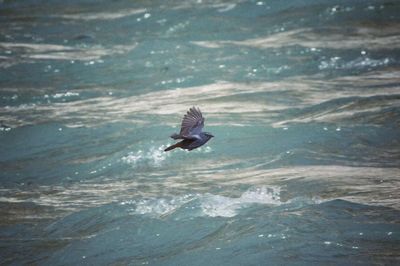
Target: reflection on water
(303, 99)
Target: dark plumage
(191, 131)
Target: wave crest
(207, 204)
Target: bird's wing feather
(192, 123)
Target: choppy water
(302, 96)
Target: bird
(191, 132)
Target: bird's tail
(176, 145)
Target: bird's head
(209, 135)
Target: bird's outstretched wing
(192, 124)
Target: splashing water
(154, 156)
(214, 205)
(209, 204)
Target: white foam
(361, 62)
(103, 15)
(215, 205)
(161, 206)
(132, 157)
(210, 205)
(155, 156)
(66, 94)
(226, 7)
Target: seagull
(191, 131)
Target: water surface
(302, 96)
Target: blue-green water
(303, 98)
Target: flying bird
(191, 133)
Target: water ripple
(237, 104)
(331, 38)
(27, 51)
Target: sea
(302, 96)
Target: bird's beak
(212, 135)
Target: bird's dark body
(191, 132)
(189, 144)
(184, 144)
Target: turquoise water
(303, 98)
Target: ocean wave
(359, 63)
(43, 51)
(62, 95)
(117, 14)
(367, 110)
(228, 103)
(206, 204)
(365, 185)
(328, 38)
(215, 205)
(158, 206)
